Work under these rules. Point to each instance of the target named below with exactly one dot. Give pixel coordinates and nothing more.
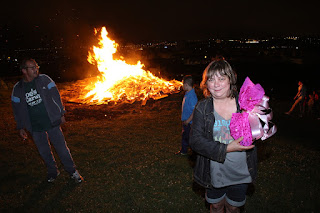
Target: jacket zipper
(56, 104)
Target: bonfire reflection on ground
(76, 92)
(70, 93)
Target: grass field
(126, 155)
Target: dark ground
(125, 152)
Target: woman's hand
(235, 146)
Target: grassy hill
(126, 154)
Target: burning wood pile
(119, 81)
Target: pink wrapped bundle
(239, 126)
(253, 122)
(250, 94)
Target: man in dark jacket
(38, 108)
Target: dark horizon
(146, 21)
(71, 24)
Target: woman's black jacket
(201, 142)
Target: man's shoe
(180, 153)
(52, 178)
(77, 177)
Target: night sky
(136, 21)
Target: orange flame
(120, 81)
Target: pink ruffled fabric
(250, 94)
(254, 104)
(239, 126)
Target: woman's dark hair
(221, 66)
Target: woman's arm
(200, 143)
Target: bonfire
(119, 81)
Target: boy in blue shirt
(189, 102)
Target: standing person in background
(316, 105)
(300, 99)
(38, 108)
(223, 166)
(310, 104)
(189, 101)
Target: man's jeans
(57, 139)
(185, 138)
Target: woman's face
(219, 86)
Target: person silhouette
(299, 99)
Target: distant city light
(252, 41)
(292, 38)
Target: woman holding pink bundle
(224, 167)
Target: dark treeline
(277, 64)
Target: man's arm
(55, 94)
(16, 107)
(188, 120)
